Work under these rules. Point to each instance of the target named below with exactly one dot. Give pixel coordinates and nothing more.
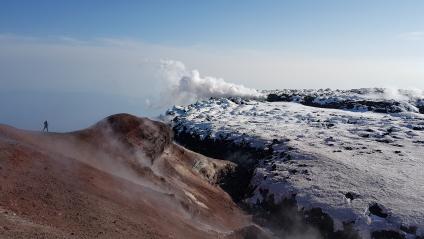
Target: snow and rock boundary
(357, 171)
(282, 217)
(380, 100)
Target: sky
(69, 60)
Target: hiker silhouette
(46, 126)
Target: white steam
(184, 86)
(390, 93)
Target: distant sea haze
(65, 111)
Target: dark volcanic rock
(378, 210)
(237, 182)
(351, 195)
(386, 235)
(341, 99)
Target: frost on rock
(363, 169)
(366, 99)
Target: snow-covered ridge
(382, 100)
(363, 169)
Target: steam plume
(184, 86)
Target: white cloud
(130, 67)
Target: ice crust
(340, 161)
(382, 100)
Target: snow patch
(340, 161)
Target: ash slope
(121, 178)
(363, 169)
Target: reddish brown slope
(121, 178)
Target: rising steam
(185, 86)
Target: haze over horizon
(76, 62)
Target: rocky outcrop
(369, 99)
(283, 218)
(236, 182)
(122, 177)
(313, 171)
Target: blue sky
(287, 25)
(113, 49)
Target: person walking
(46, 126)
